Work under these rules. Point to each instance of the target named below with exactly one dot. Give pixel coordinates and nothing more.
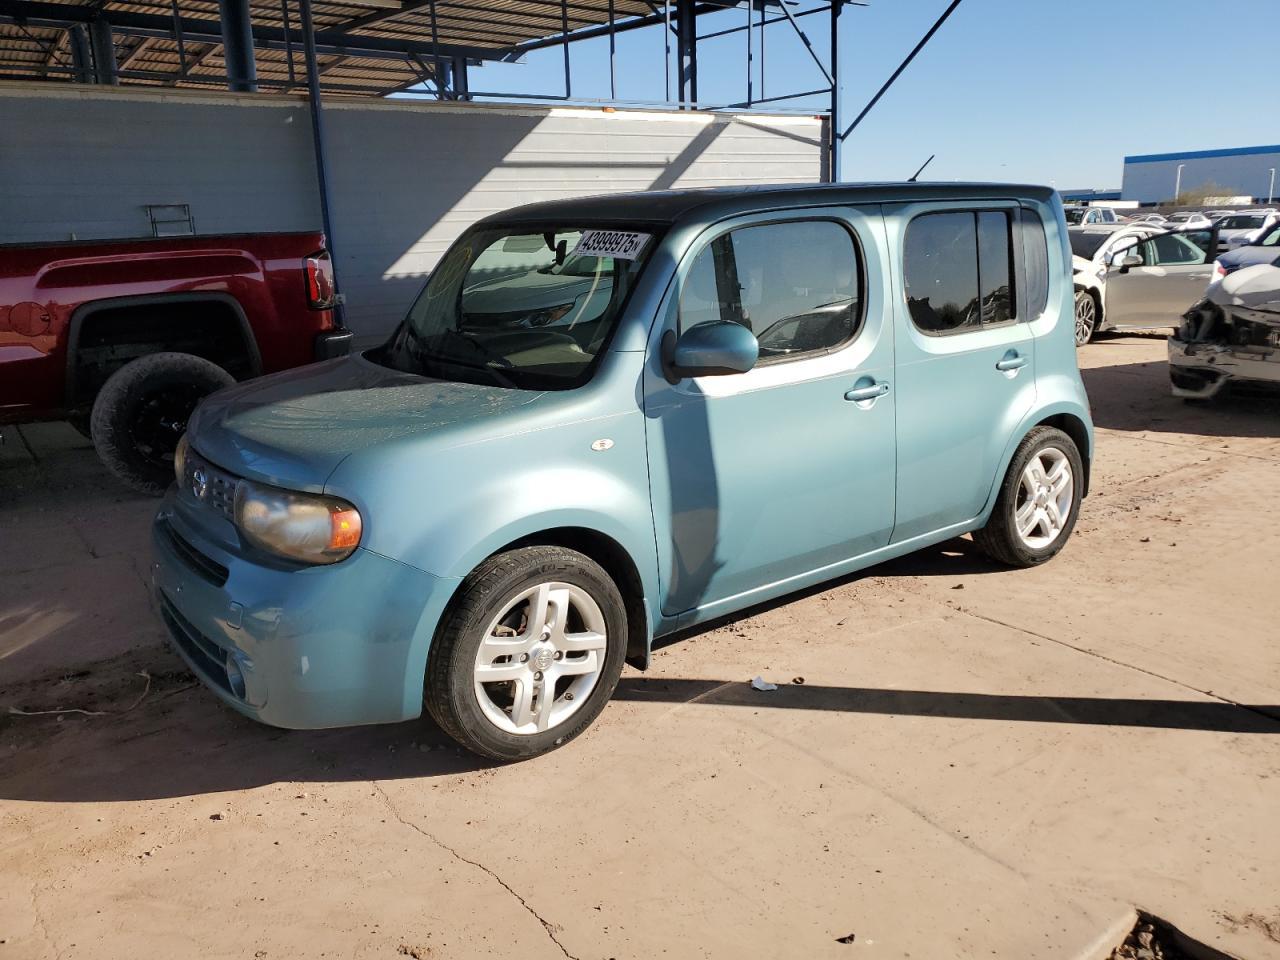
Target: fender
(86, 310)
(1064, 405)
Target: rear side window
(1035, 263)
(958, 270)
(796, 285)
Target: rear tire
(548, 627)
(142, 411)
(1038, 503)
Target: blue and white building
(1242, 171)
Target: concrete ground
(979, 763)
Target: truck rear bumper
(335, 343)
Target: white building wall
(406, 177)
(1247, 174)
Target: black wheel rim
(159, 421)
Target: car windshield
(1181, 217)
(1074, 214)
(519, 307)
(1087, 244)
(1241, 223)
(1272, 239)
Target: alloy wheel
(1046, 491)
(540, 658)
(1086, 318)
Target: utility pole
(1177, 183)
(1271, 190)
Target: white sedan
(1244, 229)
(1137, 277)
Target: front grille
(208, 657)
(208, 568)
(211, 485)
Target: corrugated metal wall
(407, 177)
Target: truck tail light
(319, 270)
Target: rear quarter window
(958, 270)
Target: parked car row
(1141, 275)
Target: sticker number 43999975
(619, 244)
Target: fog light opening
(235, 678)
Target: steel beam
(37, 13)
(81, 58)
(104, 52)
(901, 67)
(237, 46)
(317, 136)
(687, 48)
(833, 121)
(461, 85)
(590, 33)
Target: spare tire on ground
(142, 411)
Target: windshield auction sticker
(618, 244)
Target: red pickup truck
(124, 337)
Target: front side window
(957, 269)
(1177, 249)
(796, 285)
(520, 307)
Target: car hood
(1080, 263)
(1250, 256)
(1256, 288)
(292, 429)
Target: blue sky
(1040, 90)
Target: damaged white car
(1232, 336)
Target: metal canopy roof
(365, 47)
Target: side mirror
(713, 349)
(1129, 260)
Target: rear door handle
(868, 393)
(1011, 361)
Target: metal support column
(687, 50)
(237, 46)
(104, 52)
(81, 58)
(564, 35)
(317, 136)
(461, 83)
(834, 122)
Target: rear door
(964, 368)
(1176, 268)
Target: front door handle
(869, 392)
(1011, 361)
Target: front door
(761, 477)
(1175, 270)
(965, 360)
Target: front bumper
(305, 648)
(1201, 370)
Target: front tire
(142, 410)
(528, 654)
(1038, 503)
(1086, 317)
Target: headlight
(180, 459)
(301, 526)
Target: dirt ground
(978, 763)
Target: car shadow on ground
(1138, 399)
(167, 737)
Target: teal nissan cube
(607, 419)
